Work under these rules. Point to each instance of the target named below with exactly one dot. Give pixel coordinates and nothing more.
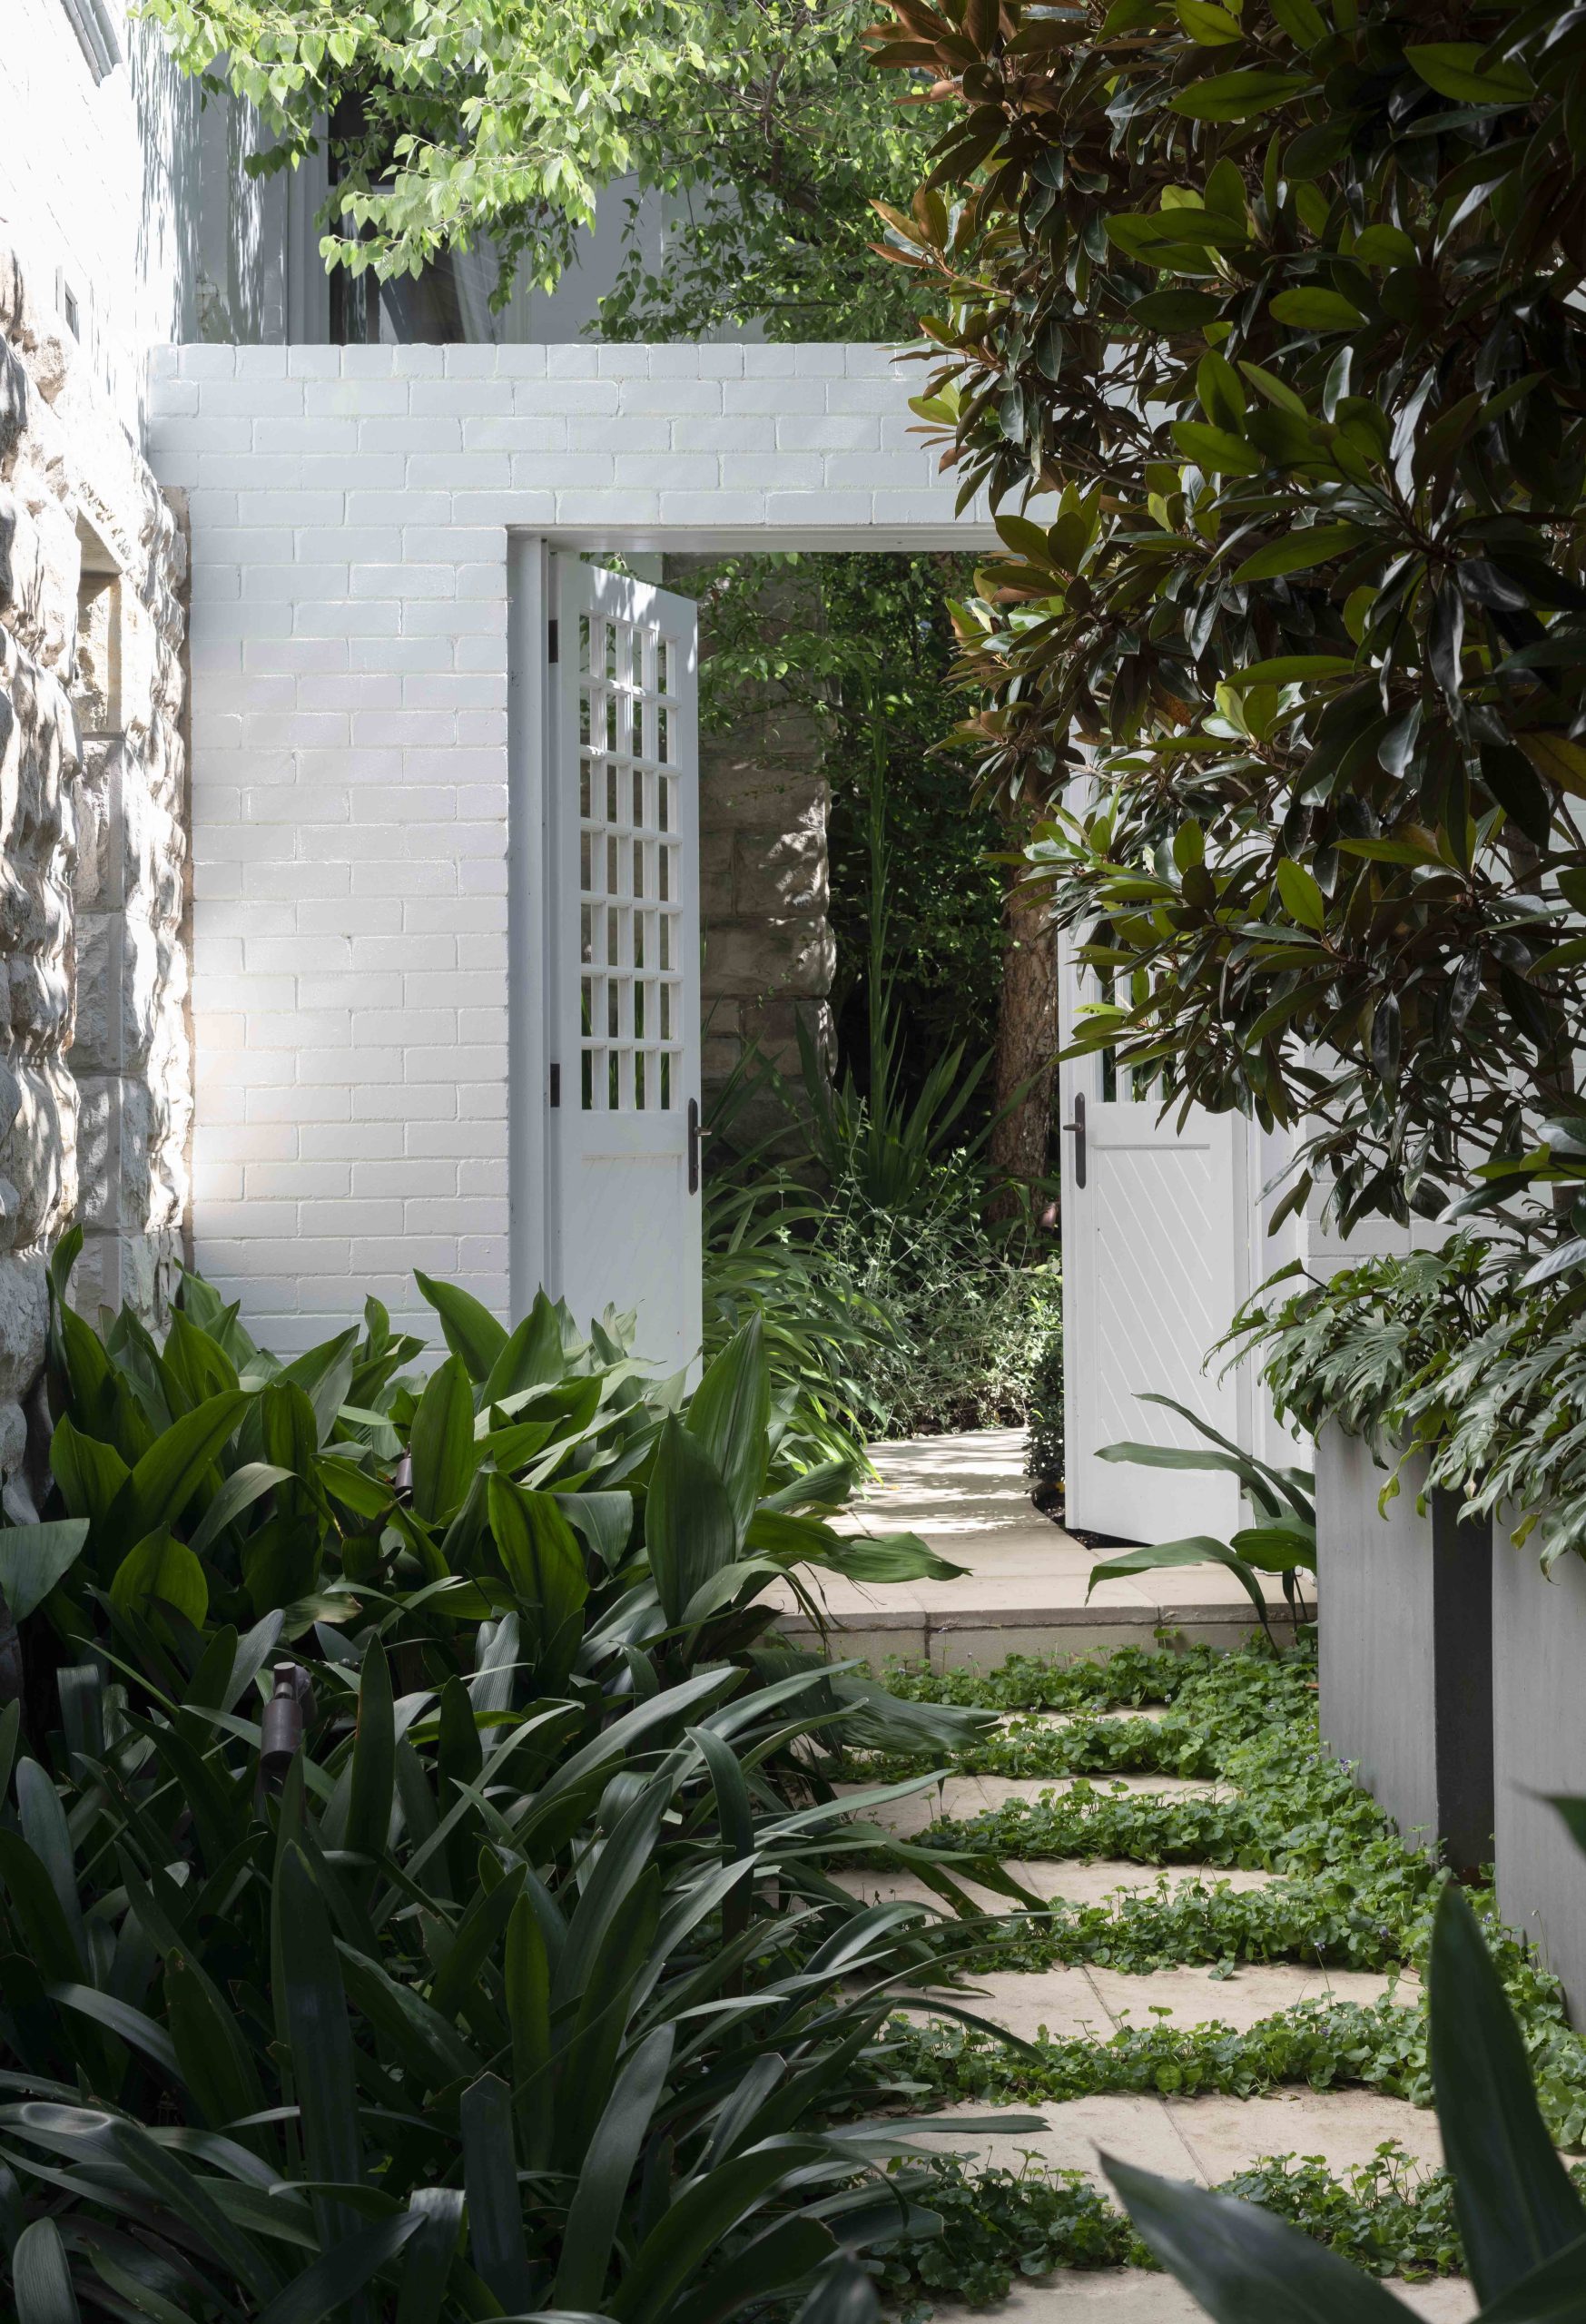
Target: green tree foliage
(1276, 312)
(864, 644)
(456, 122)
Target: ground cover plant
(1350, 1892)
(411, 1905)
(1250, 1719)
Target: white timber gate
(622, 956)
(1157, 1229)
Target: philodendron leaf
(1513, 2196)
(33, 1558)
(1244, 2265)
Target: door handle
(1075, 1130)
(695, 1136)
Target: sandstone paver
(961, 1797)
(1105, 1880)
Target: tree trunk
(1027, 1046)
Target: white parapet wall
(350, 510)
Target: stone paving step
(961, 1797)
(1093, 2000)
(1204, 2138)
(1103, 1881)
(1133, 2296)
(1027, 1589)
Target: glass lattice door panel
(630, 867)
(623, 956)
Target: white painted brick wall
(350, 511)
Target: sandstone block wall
(769, 953)
(95, 1104)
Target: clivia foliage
(1269, 314)
(413, 1906)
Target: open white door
(623, 956)
(1156, 1231)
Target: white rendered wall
(351, 511)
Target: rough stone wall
(769, 953)
(95, 1103)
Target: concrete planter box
(1538, 1721)
(1406, 1650)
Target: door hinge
(554, 644)
(556, 1085)
(695, 1135)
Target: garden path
(1026, 1593)
(1025, 1590)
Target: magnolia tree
(453, 124)
(1264, 331)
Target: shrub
(402, 1910)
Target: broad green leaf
(1243, 2264)
(532, 1357)
(1199, 1549)
(496, 2238)
(690, 1529)
(730, 1413)
(169, 1474)
(544, 1564)
(698, 2220)
(329, 2282)
(160, 1572)
(605, 1521)
(1453, 68)
(242, 1489)
(1513, 2196)
(1211, 26)
(1298, 552)
(1558, 756)
(774, 2262)
(1554, 2293)
(1303, 899)
(442, 1441)
(324, 1373)
(1316, 310)
(373, 1769)
(595, 2211)
(426, 2260)
(1290, 669)
(89, 1473)
(1239, 96)
(472, 1333)
(33, 1558)
(41, 2280)
(1215, 450)
(323, 2076)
